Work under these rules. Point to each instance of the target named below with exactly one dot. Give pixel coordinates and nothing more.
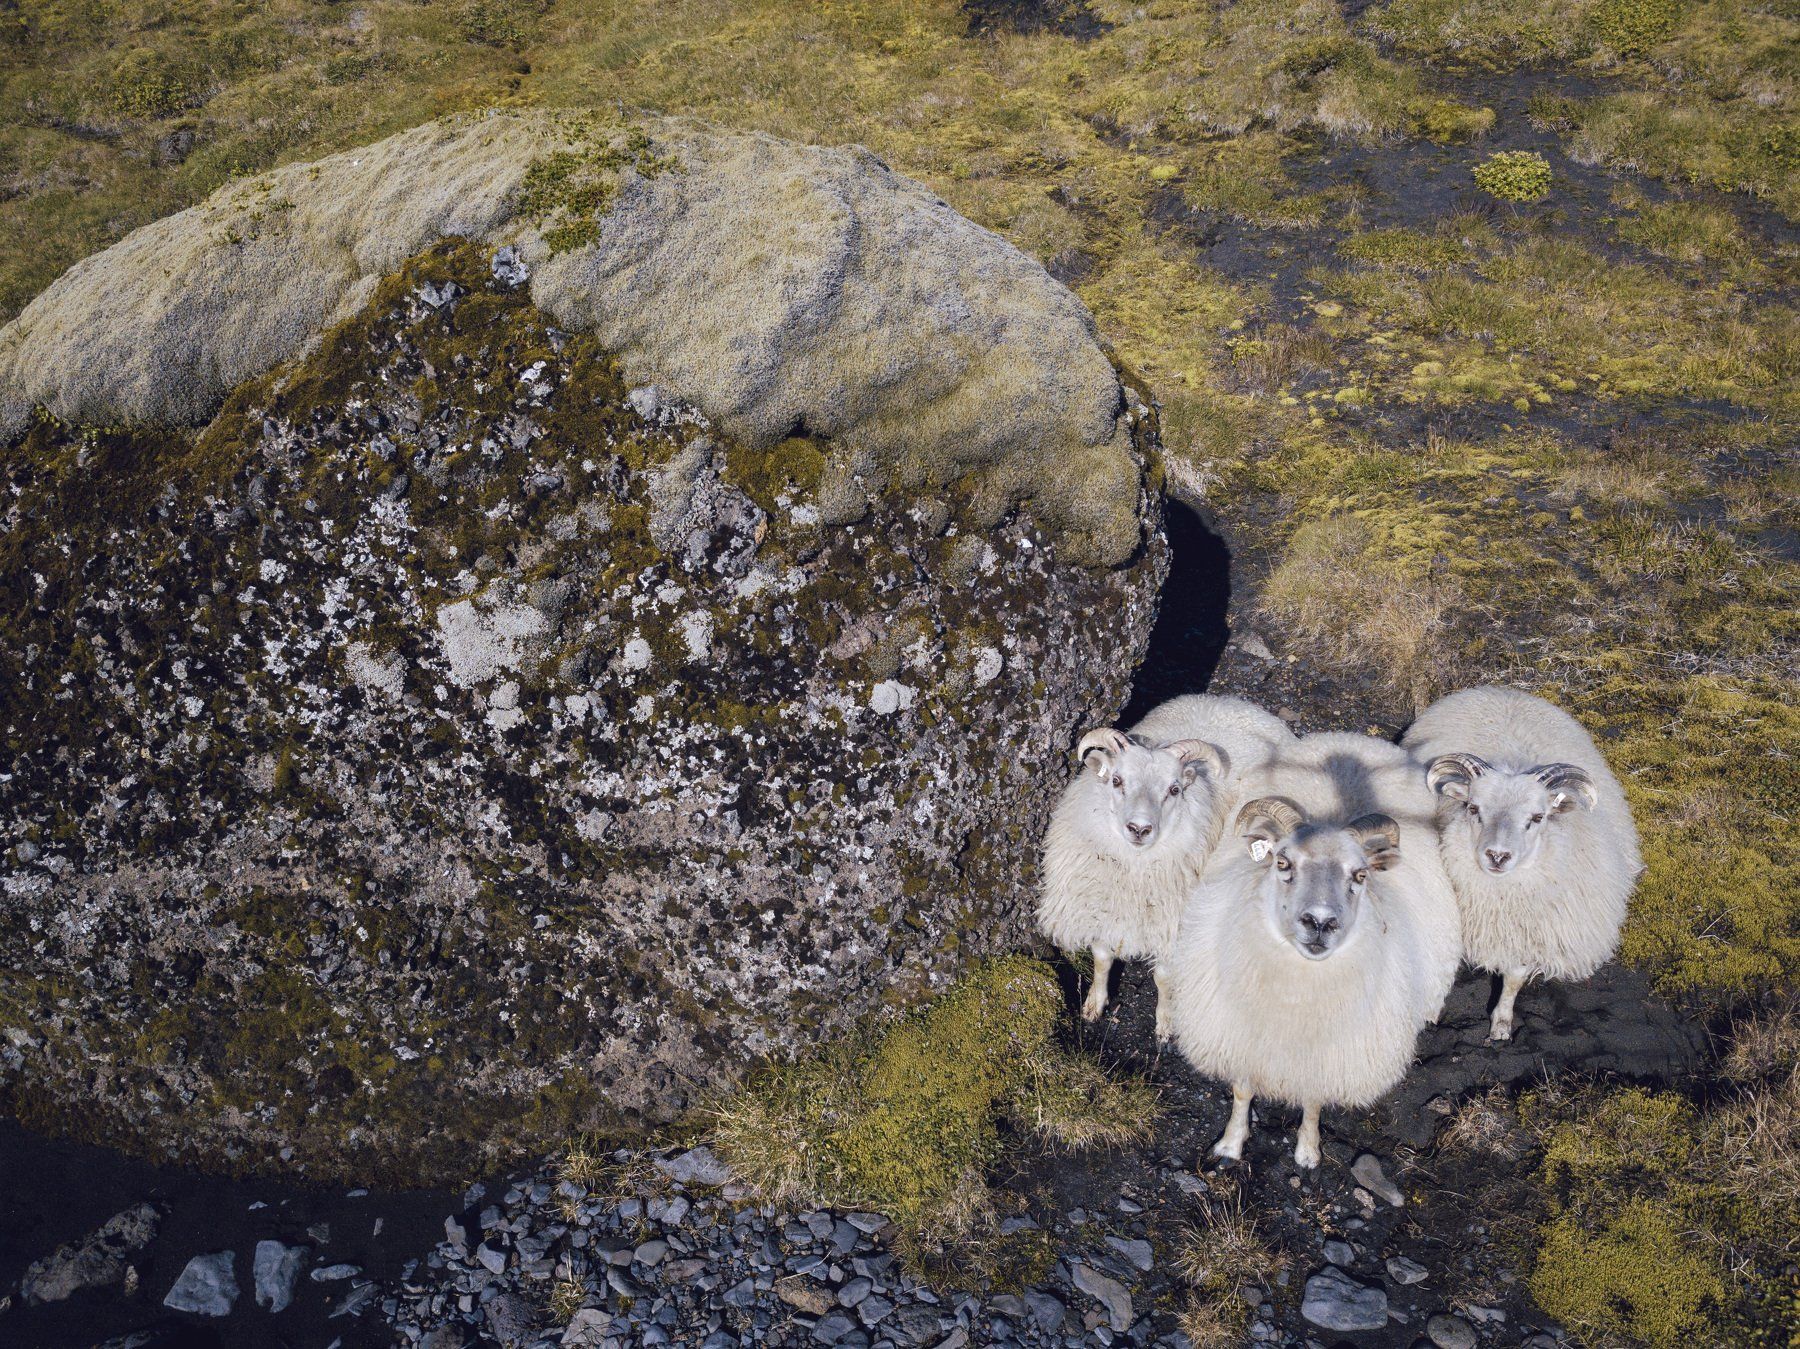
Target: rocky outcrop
(559, 684)
(778, 288)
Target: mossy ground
(1449, 438)
(910, 1117)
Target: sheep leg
(1501, 1028)
(1306, 1143)
(1165, 1024)
(1096, 998)
(1237, 1129)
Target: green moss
(1636, 1275)
(1514, 175)
(1667, 1225)
(1444, 119)
(1710, 765)
(909, 1117)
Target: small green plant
(1514, 175)
(1630, 26)
(566, 191)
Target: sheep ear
(1197, 754)
(1264, 822)
(1569, 786)
(1450, 774)
(1380, 839)
(1102, 741)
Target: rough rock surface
(776, 287)
(98, 1260)
(455, 744)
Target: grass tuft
(1217, 1254)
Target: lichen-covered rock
(778, 288)
(456, 743)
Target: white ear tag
(1260, 848)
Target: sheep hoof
(1305, 1157)
(1228, 1150)
(1500, 1031)
(1091, 1010)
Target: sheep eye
(1537, 819)
(1282, 864)
(1118, 781)
(1474, 811)
(1175, 790)
(1359, 876)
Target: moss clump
(908, 1119)
(1444, 119)
(1632, 25)
(1667, 1225)
(1514, 175)
(1634, 1275)
(1709, 765)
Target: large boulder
(628, 618)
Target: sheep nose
(1140, 833)
(1498, 858)
(1318, 922)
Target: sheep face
(1315, 875)
(1504, 817)
(1152, 790)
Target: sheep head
(1505, 816)
(1156, 798)
(1315, 875)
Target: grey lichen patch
(446, 748)
(927, 352)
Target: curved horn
(1451, 774)
(1217, 761)
(1571, 785)
(1106, 739)
(1282, 815)
(1379, 836)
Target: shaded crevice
(1191, 625)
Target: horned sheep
(1320, 943)
(1132, 831)
(1538, 840)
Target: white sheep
(1133, 829)
(1315, 949)
(1537, 838)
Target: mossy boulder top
(776, 287)
(557, 676)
